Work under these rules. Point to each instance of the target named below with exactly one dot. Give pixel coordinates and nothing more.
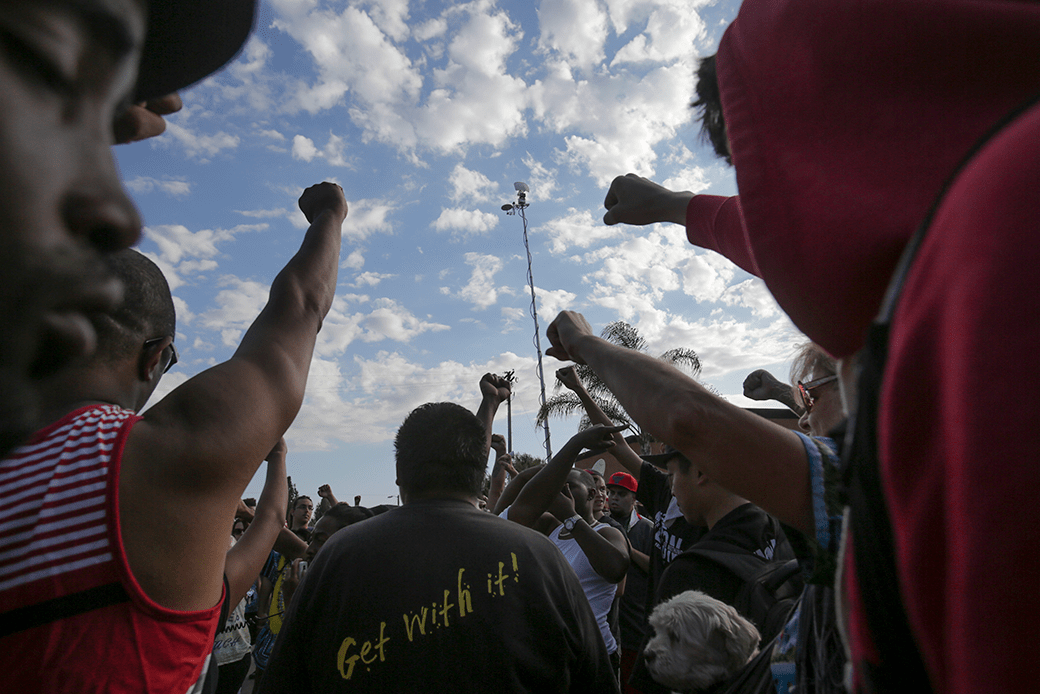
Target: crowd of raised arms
(887, 154)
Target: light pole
(518, 207)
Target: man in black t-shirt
(731, 520)
(437, 595)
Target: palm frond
(624, 335)
(683, 356)
(561, 405)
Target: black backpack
(770, 589)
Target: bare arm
(639, 559)
(289, 544)
(503, 467)
(512, 489)
(622, 452)
(325, 492)
(543, 489)
(188, 461)
(244, 560)
(743, 452)
(605, 549)
(762, 385)
(494, 390)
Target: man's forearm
(486, 414)
(746, 454)
(608, 561)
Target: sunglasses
(804, 390)
(173, 352)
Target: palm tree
(566, 403)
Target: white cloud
(368, 404)
(354, 261)
(176, 242)
(237, 306)
(200, 146)
(367, 217)
(552, 301)
(470, 185)
(694, 179)
(371, 279)
(388, 320)
(579, 229)
(672, 29)
(303, 148)
(466, 221)
(576, 29)
(177, 188)
(480, 290)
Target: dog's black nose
(649, 656)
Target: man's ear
(148, 360)
(592, 493)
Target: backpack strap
(900, 666)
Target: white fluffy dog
(698, 641)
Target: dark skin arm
(499, 477)
(144, 120)
(494, 390)
(512, 490)
(606, 549)
(188, 461)
(247, 557)
(622, 452)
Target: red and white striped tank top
(72, 616)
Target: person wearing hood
(850, 125)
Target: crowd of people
(887, 155)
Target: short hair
(587, 477)
(344, 514)
(147, 310)
(811, 360)
(441, 447)
(709, 103)
(683, 462)
(297, 501)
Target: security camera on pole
(513, 208)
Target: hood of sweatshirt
(844, 120)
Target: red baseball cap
(623, 480)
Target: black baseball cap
(189, 40)
(660, 460)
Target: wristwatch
(568, 524)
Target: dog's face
(697, 642)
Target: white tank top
(598, 590)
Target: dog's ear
(737, 638)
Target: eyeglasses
(173, 352)
(803, 390)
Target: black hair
(587, 477)
(344, 514)
(296, 502)
(440, 447)
(683, 462)
(709, 102)
(146, 312)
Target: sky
(427, 113)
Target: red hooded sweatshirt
(844, 120)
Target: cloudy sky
(427, 113)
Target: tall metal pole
(537, 338)
(519, 206)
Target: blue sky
(426, 113)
